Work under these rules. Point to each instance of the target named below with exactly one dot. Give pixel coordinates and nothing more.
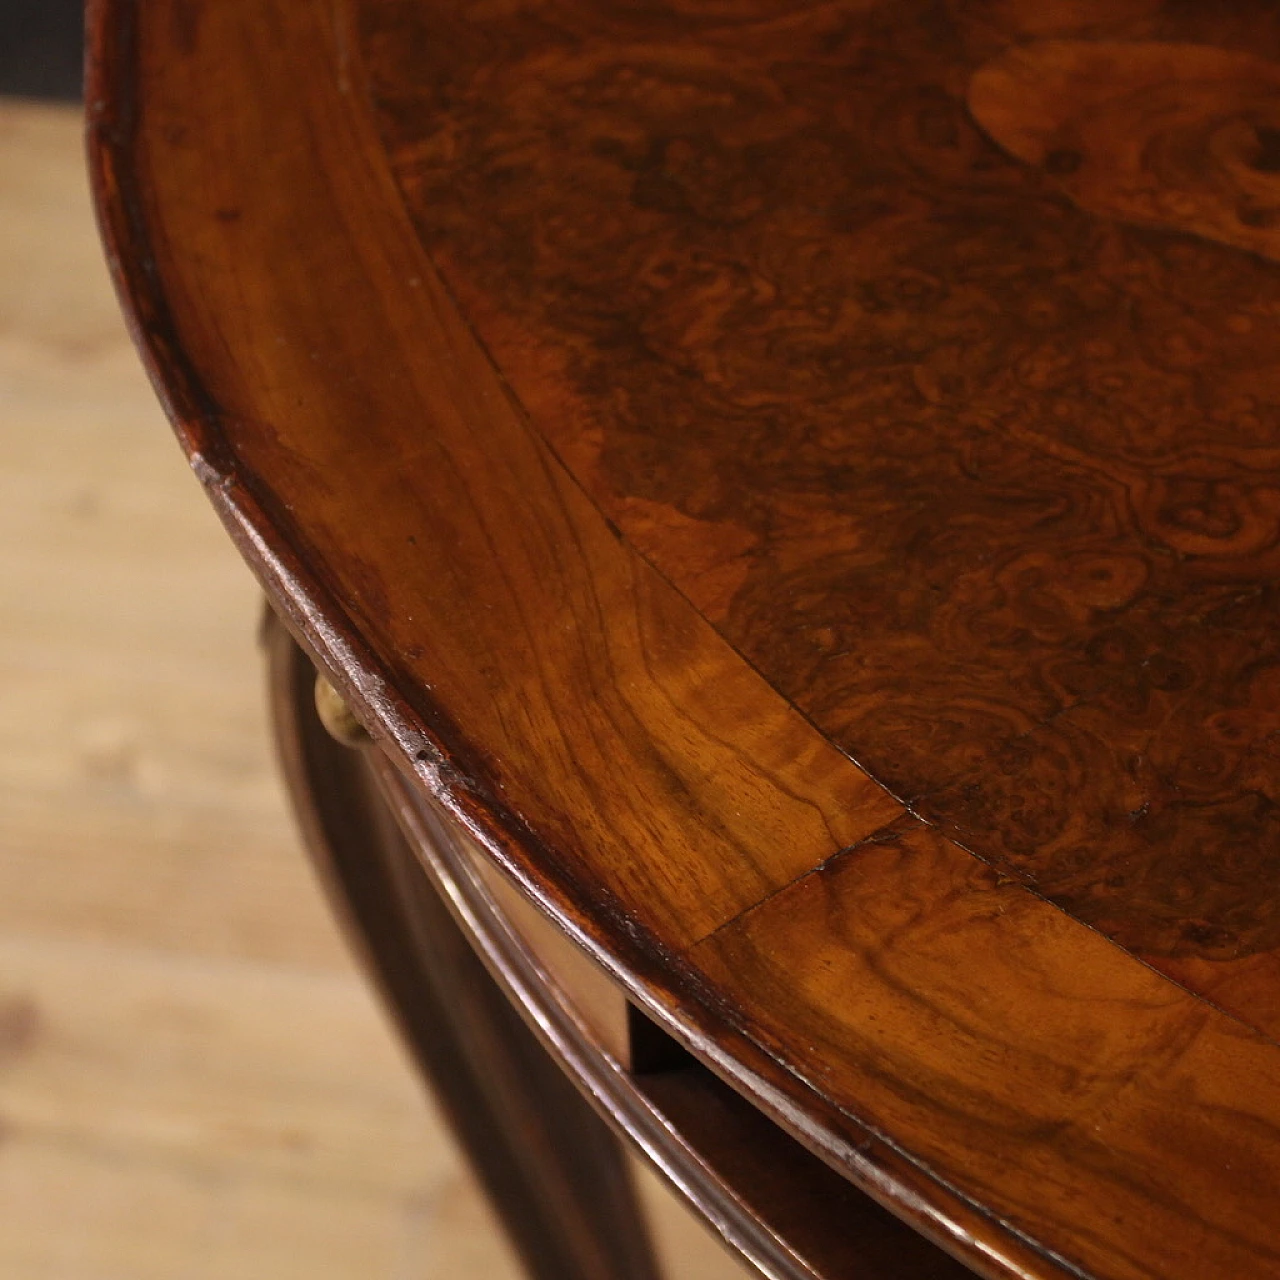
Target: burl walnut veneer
(793, 488)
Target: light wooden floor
(194, 1083)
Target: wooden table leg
(554, 1172)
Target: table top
(801, 483)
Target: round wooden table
(784, 497)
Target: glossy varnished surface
(647, 411)
(929, 350)
(906, 971)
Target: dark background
(41, 48)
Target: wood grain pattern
(1160, 134)
(930, 366)
(733, 379)
(554, 1173)
(776, 1205)
(671, 706)
(905, 974)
